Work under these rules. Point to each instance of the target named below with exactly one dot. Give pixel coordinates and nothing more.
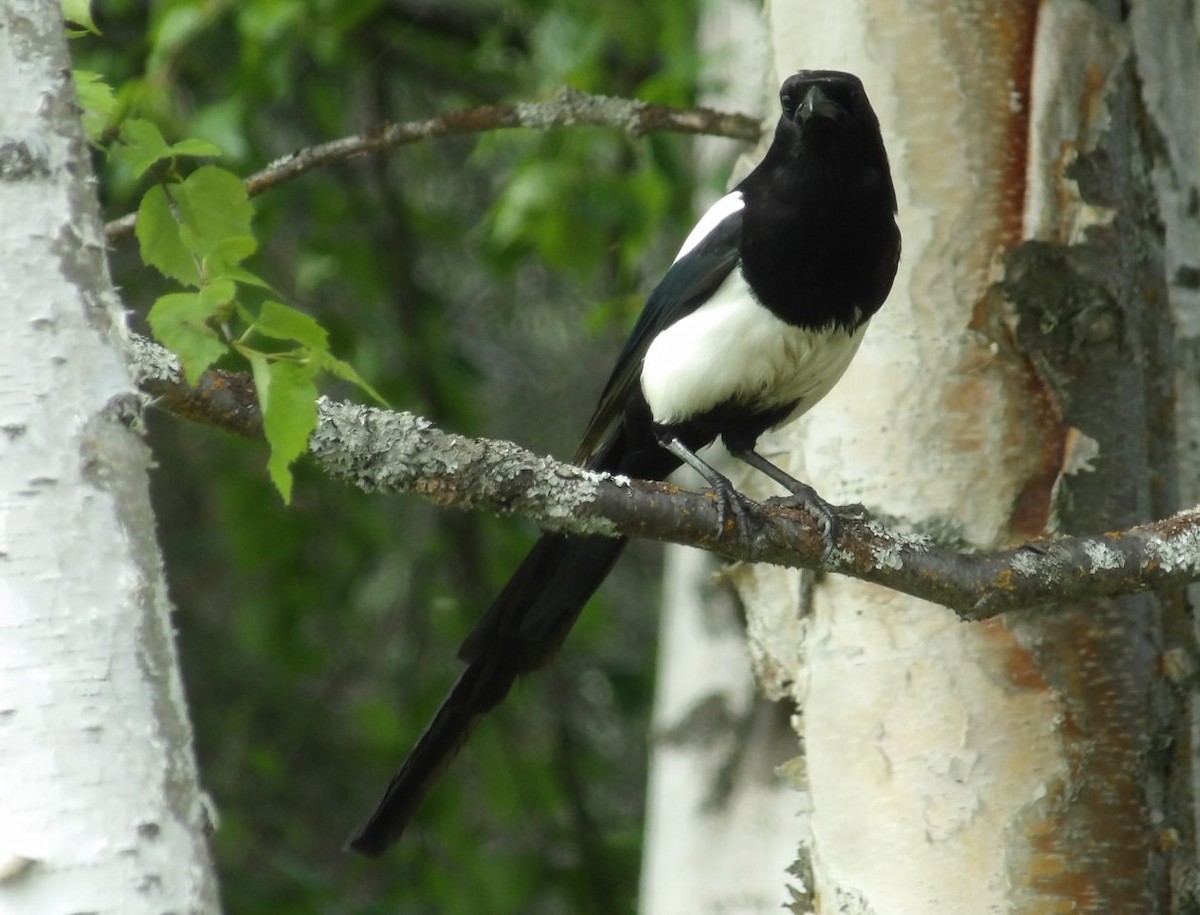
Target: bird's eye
(787, 103)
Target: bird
(754, 322)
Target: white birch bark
(934, 758)
(937, 752)
(714, 809)
(99, 805)
(922, 751)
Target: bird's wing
(708, 256)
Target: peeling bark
(1019, 382)
(1093, 313)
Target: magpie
(755, 321)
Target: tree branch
(387, 452)
(570, 108)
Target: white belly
(732, 349)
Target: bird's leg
(728, 497)
(802, 494)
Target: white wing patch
(732, 349)
(713, 217)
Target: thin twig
(570, 108)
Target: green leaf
(345, 371)
(260, 367)
(193, 146)
(223, 258)
(159, 239)
(245, 277)
(217, 296)
(97, 100)
(288, 398)
(143, 145)
(282, 322)
(215, 207)
(213, 224)
(79, 12)
(180, 322)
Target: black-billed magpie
(755, 322)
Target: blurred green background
(485, 282)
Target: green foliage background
(483, 282)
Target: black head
(815, 99)
(819, 239)
(827, 128)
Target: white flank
(713, 217)
(733, 349)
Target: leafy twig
(570, 108)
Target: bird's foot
(802, 496)
(732, 505)
(826, 515)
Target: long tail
(519, 633)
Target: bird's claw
(826, 515)
(732, 502)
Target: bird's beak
(817, 104)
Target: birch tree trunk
(713, 795)
(100, 810)
(1027, 376)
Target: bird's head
(819, 101)
(828, 136)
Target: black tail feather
(519, 633)
(438, 746)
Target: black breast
(820, 243)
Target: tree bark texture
(1020, 381)
(386, 451)
(100, 810)
(716, 742)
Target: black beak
(817, 104)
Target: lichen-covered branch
(391, 452)
(570, 108)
